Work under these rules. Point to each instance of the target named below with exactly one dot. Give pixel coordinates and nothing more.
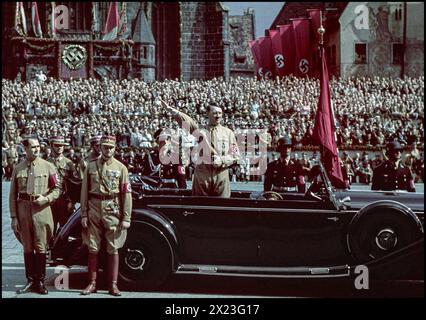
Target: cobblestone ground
(13, 274)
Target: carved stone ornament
(74, 56)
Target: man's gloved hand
(15, 225)
(124, 225)
(41, 200)
(217, 162)
(84, 222)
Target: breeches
(102, 225)
(209, 181)
(36, 226)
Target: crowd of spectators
(369, 112)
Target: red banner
(112, 22)
(277, 52)
(267, 60)
(323, 132)
(254, 46)
(36, 20)
(302, 40)
(287, 42)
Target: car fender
(163, 225)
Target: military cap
(284, 142)
(108, 140)
(58, 140)
(393, 146)
(95, 139)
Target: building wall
(241, 30)
(202, 40)
(384, 29)
(415, 39)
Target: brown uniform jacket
(112, 180)
(45, 183)
(224, 141)
(65, 169)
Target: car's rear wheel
(146, 258)
(379, 232)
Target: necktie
(30, 180)
(213, 137)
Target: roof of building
(291, 10)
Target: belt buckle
(32, 197)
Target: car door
(300, 232)
(215, 231)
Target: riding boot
(41, 273)
(30, 273)
(92, 267)
(113, 261)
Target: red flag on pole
(302, 40)
(254, 46)
(277, 52)
(20, 20)
(287, 42)
(323, 132)
(267, 60)
(112, 22)
(36, 20)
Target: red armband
(126, 188)
(181, 170)
(53, 180)
(233, 151)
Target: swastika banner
(303, 62)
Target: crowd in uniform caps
(369, 111)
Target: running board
(243, 271)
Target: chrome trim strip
(177, 206)
(263, 275)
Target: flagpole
(321, 32)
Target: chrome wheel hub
(386, 239)
(135, 259)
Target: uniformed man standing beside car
(64, 206)
(392, 174)
(34, 187)
(106, 206)
(284, 174)
(211, 176)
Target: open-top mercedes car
(322, 233)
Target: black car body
(322, 233)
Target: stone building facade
(162, 40)
(376, 46)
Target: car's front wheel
(146, 257)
